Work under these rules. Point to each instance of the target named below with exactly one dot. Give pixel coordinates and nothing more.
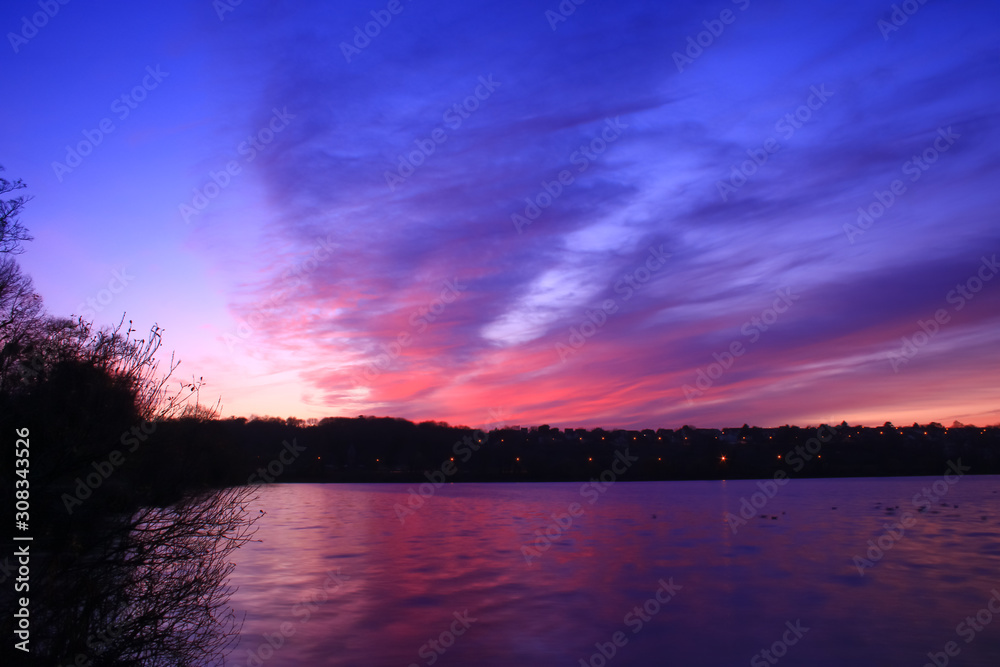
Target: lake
(836, 572)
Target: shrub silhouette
(127, 567)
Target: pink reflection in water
(459, 556)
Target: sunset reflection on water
(338, 579)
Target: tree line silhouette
(384, 449)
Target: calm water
(401, 584)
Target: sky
(619, 214)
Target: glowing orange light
(723, 458)
(589, 459)
(517, 459)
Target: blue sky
(307, 285)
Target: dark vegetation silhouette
(384, 449)
(134, 571)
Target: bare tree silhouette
(135, 572)
(12, 233)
